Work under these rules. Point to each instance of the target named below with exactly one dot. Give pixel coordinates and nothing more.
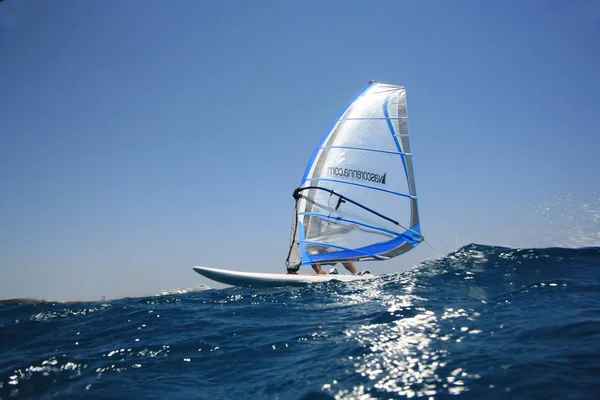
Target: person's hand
(321, 272)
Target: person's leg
(317, 268)
(350, 267)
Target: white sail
(357, 200)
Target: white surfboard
(266, 279)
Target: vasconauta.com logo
(357, 174)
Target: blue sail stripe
(314, 154)
(346, 253)
(352, 221)
(313, 256)
(362, 148)
(370, 250)
(358, 184)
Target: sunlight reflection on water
(403, 357)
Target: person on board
(315, 227)
(348, 265)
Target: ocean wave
(482, 321)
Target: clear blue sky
(141, 138)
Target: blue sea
(482, 322)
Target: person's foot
(317, 268)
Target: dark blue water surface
(482, 323)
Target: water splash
(560, 220)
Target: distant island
(21, 300)
(27, 300)
(35, 301)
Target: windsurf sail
(357, 200)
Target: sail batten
(357, 200)
(363, 149)
(358, 184)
